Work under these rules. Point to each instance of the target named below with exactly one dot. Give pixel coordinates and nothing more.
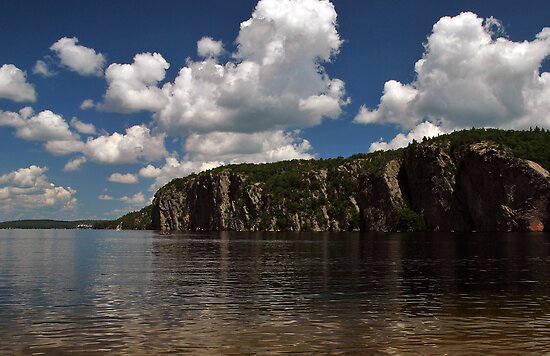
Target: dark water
(242, 293)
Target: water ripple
(228, 293)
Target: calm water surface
(71, 291)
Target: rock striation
(432, 186)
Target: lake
(76, 291)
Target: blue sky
(301, 79)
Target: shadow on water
(263, 292)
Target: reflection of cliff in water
(353, 289)
(478, 274)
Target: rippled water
(77, 291)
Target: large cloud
(28, 189)
(468, 76)
(133, 87)
(14, 86)
(242, 110)
(275, 79)
(82, 60)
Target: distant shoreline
(49, 224)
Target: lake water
(76, 291)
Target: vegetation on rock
(135, 220)
(533, 144)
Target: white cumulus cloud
(127, 178)
(133, 87)
(74, 164)
(274, 80)
(135, 199)
(395, 106)
(87, 104)
(77, 58)
(243, 109)
(44, 126)
(29, 190)
(469, 76)
(207, 47)
(150, 171)
(32, 176)
(83, 128)
(134, 145)
(137, 143)
(42, 68)
(65, 147)
(14, 86)
(234, 147)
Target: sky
(103, 102)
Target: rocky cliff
(292, 196)
(473, 187)
(482, 180)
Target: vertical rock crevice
(431, 183)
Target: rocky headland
(482, 180)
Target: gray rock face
(170, 207)
(431, 185)
(380, 198)
(223, 202)
(208, 202)
(474, 187)
(502, 193)
(226, 200)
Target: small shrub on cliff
(409, 220)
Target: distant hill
(47, 224)
(135, 220)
